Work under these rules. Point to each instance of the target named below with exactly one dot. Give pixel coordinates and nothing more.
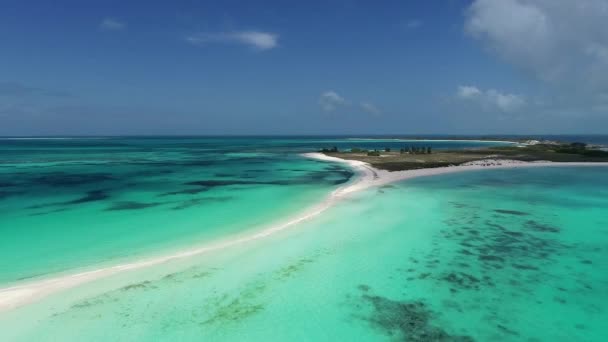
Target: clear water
(78, 202)
(494, 255)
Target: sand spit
(382, 177)
(22, 294)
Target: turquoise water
(74, 204)
(493, 255)
(79, 202)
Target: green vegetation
(416, 150)
(329, 150)
(412, 157)
(581, 148)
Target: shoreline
(438, 140)
(15, 296)
(367, 176)
(383, 177)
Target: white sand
(375, 177)
(435, 140)
(19, 295)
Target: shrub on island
(329, 150)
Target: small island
(423, 157)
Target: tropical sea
(510, 254)
(68, 203)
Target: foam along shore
(22, 294)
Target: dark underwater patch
(195, 163)
(314, 177)
(525, 267)
(137, 286)
(487, 257)
(191, 191)
(540, 227)
(91, 196)
(490, 254)
(223, 175)
(188, 204)
(216, 183)
(251, 160)
(224, 310)
(7, 194)
(233, 311)
(334, 168)
(48, 212)
(458, 205)
(131, 205)
(290, 170)
(462, 280)
(340, 181)
(405, 320)
(364, 288)
(506, 330)
(4, 184)
(511, 212)
(290, 270)
(33, 276)
(227, 310)
(71, 179)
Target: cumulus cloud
(330, 101)
(255, 39)
(467, 92)
(111, 24)
(370, 108)
(563, 42)
(491, 99)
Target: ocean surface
(68, 203)
(491, 255)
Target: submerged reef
(404, 320)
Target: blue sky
(303, 67)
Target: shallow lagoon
(77, 203)
(75, 215)
(488, 255)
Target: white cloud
(255, 39)
(491, 99)
(370, 108)
(563, 42)
(466, 92)
(330, 101)
(110, 24)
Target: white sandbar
(22, 294)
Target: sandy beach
(437, 140)
(375, 177)
(367, 176)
